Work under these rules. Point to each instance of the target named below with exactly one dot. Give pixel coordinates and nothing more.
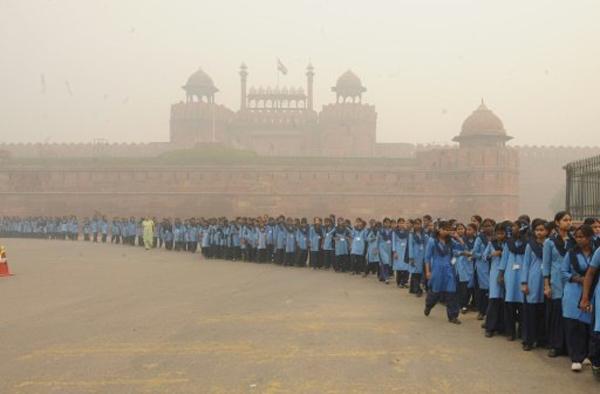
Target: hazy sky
(111, 69)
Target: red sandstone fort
(277, 154)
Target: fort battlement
(85, 150)
(348, 111)
(272, 118)
(200, 110)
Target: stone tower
(348, 127)
(487, 169)
(199, 119)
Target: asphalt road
(80, 317)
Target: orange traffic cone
(4, 271)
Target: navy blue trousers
(450, 298)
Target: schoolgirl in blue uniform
(302, 241)
(482, 267)
(510, 275)
(372, 258)
(577, 322)
(204, 236)
(139, 232)
(384, 242)
(168, 235)
(315, 235)
(328, 243)
(591, 292)
(417, 240)
(114, 231)
(192, 236)
(74, 228)
(554, 251)
(595, 224)
(280, 234)
(494, 317)
(104, 229)
(400, 253)
(290, 243)
(441, 273)
(94, 228)
(341, 237)
(463, 245)
(532, 286)
(358, 247)
(261, 243)
(86, 229)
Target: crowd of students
(530, 280)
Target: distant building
(308, 161)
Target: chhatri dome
(200, 85)
(483, 127)
(349, 86)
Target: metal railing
(583, 188)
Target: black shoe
(553, 353)
(455, 320)
(427, 311)
(489, 334)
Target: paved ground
(99, 318)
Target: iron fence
(583, 188)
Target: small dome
(482, 128)
(200, 83)
(482, 122)
(349, 85)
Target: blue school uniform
(290, 241)
(482, 266)
(341, 241)
(572, 291)
(511, 266)
(358, 242)
(416, 251)
(315, 236)
(531, 273)
(385, 246)
(439, 257)
(168, 236)
(496, 289)
(373, 246)
(261, 238)
(104, 227)
(464, 264)
(204, 236)
(280, 235)
(302, 238)
(328, 239)
(595, 299)
(399, 247)
(551, 266)
(270, 230)
(234, 234)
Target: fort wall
(375, 190)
